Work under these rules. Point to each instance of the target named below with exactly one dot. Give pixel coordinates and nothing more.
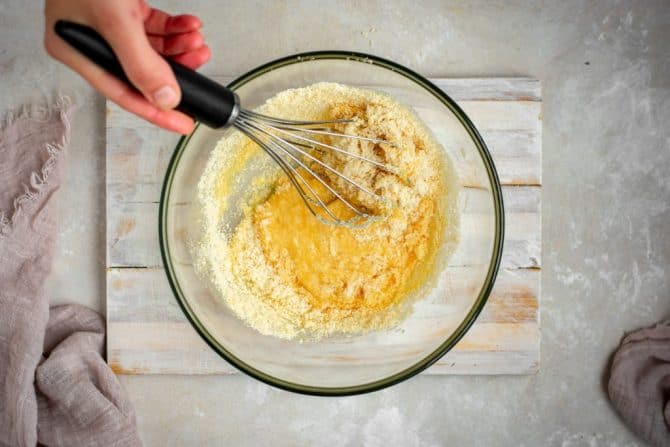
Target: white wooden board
(147, 332)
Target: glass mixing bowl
(353, 364)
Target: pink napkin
(55, 387)
(639, 384)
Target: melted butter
(368, 268)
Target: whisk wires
(293, 145)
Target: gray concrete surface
(605, 68)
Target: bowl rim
(453, 338)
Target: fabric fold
(55, 387)
(639, 383)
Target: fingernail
(165, 97)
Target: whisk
(292, 144)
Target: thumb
(145, 68)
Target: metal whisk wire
(290, 144)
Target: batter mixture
(288, 274)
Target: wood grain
(148, 333)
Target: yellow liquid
(343, 268)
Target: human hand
(139, 35)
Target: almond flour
(286, 273)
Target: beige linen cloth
(55, 387)
(639, 383)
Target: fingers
(194, 59)
(133, 29)
(115, 89)
(160, 23)
(174, 44)
(187, 49)
(145, 68)
(177, 37)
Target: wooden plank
(470, 89)
(136, 174)
(489, 362)
(144, 295)
(460, 89)
(494, 89)
(141, 155)
(129, 360)
(207, 362)
(148, 333)
(479, 89)
(175, 348)
(132, 228)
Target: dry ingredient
(286, 273)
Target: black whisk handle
(201, 98)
